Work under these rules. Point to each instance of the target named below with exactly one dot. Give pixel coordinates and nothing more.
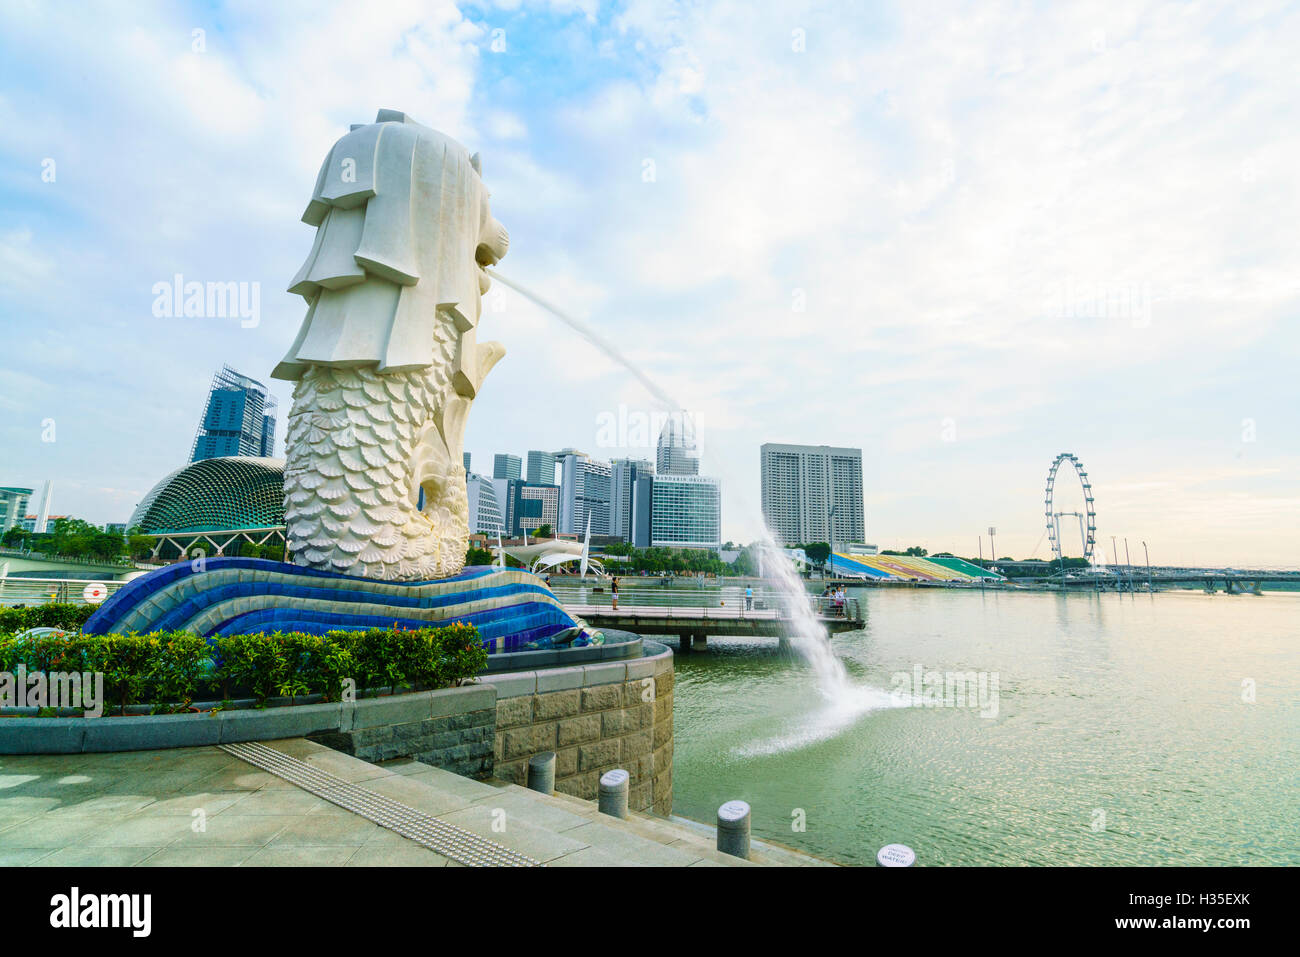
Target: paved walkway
(202, 806)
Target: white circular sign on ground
(95, 592)
(895, 855)
(733, 811)
(613, 779)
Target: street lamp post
(830, 534)
(1148, 558)
(1128, 565)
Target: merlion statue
(387, 360)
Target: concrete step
(556, 829)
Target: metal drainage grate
(424, 829)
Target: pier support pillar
(684, 642)
(701, 640)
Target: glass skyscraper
(584, 492)
(541, 468)
(13, 506)
(506, 466)
(678, 451)
(686, 512)
(239, 419)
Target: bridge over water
(1140, 578)
(19, 564)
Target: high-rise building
(239, 419)
(642, 510)
(678, 451)
(531, 506)
(506, 466)
(541, 468)
(584, 492)
(623, 476)
(13, 506)
(801, 484)
(484, 507)
(464, 460)
(686, 512)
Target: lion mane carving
(387, 362)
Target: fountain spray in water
(844, 702)
(807, 633)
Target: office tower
(529, 506)
(239, 419)
(678, 451)
(13, 506)
(685, 512)
(541, 468)
(584, 491)
(505, 466)
(464, 460)
(623, 476)
(484, 507)
(642, 510)
(801, 484)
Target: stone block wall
(595, 718)
(454, 732)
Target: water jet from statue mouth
(592, 336)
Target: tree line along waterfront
(77, 538)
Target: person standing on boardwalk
(613, 587)
(749, 597)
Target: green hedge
(169, 670)
(50, 615)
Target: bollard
(895, 855)
(733, 829)
(541, 772)
(613, 793)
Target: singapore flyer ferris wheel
(1087, 518)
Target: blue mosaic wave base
(510, 608)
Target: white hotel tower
(800, 486)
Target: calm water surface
(1122, 736)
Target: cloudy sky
(962, 237)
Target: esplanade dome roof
(215, 495)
